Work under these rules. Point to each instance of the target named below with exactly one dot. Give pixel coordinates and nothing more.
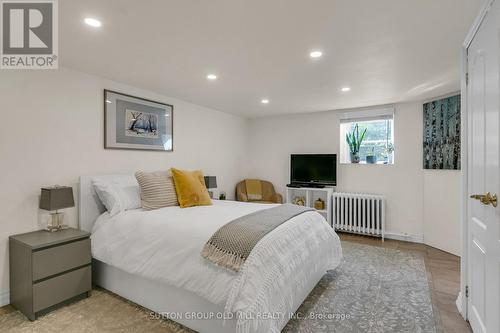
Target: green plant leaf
(362, 137)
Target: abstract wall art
(442, 134)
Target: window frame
(360, 116)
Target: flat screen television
(313, 170)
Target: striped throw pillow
(157, 189)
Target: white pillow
(118, 193)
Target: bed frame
(155, 296)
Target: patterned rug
(374, 290)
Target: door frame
(462, 300)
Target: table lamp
(210, 182)
(55, 198)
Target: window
(378, 143)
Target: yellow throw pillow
(190, 188)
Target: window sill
(364, 163)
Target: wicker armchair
(269, 195)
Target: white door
(483, 94)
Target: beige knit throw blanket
(254, 189)
(231, 245)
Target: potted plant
(371, 158)
(354, 141)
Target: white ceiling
(387, 51)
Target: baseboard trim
(405, 237)
(4, 298)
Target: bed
(152, 258)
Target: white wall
(52, 132)
(442, 220)
(417, 201)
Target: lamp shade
(210, 181)
(57, 197)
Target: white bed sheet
(165, 245)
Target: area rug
(374, 290)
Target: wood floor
(443, 271)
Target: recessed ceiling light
(212, 77)
(93, 22)
(345, 89)
(265, 101)
(108, 101)
(315, 54)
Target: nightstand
(48, 269)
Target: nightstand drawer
(61, 288)
(60, 258)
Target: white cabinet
(308, 196)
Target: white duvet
(165, 245)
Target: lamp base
(55, 229)
(56, 223)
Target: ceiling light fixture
(93, 22)
(265, 101)
(108, 101)
(315, 54)
(212, 77)
(345, 89)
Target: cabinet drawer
(61, 258)
(61, 288)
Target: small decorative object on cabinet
(319, 204)
(222, 195)
(300, 201)
(354, 140)
(53, 199)
(49, 269)
(210, 183)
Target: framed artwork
(442, 134)
(136, 123)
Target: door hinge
(466, 291)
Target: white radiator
(359, 213)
